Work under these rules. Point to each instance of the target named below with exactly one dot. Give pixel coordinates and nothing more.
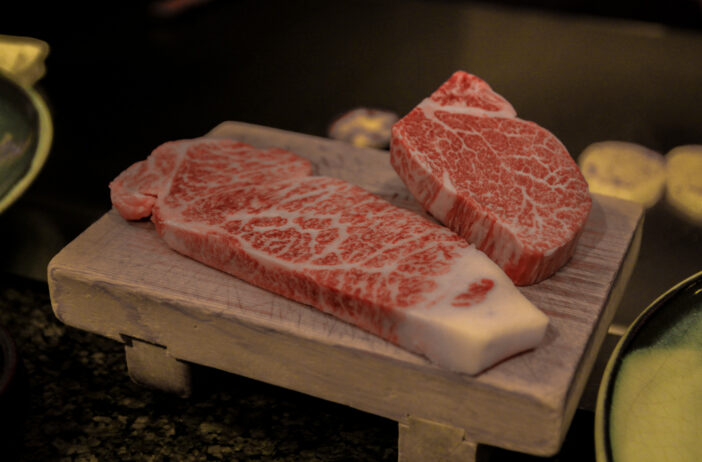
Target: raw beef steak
(506, 185)
(324, 242)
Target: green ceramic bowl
(649, 405)
(26, 132)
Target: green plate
(649, 405)
(26, 132)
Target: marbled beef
(505, 184)
(327, 243)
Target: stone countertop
(77, 403)
(81, 405)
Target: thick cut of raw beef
(327, 243)
(507, 185)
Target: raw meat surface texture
(200, 161)
(505, 184)
(327, 243)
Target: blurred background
(122, 80)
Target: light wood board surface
(118, 279)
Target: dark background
(120, 81)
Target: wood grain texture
(152, 366)
(118, 279)
(422, 440)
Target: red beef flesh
(261, 217)
(505, 184)
(201, 163)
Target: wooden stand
(118, 279)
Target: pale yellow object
(684, 181)
(364, 127)
(624, 170)
(657, 404)
(22, 58)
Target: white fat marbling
(444, 200)
(471, 339)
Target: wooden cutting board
(118, 279)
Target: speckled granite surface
(81, 405)
(78, 404)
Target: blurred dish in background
(684, 181)
(625, 170)
(636, 173)
(26, 130)
(364, 127)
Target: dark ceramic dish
(650, 388)
(26, 132)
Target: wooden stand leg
(422, 440)
(151, 366)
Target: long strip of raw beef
(507, 185)
(329, 244)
